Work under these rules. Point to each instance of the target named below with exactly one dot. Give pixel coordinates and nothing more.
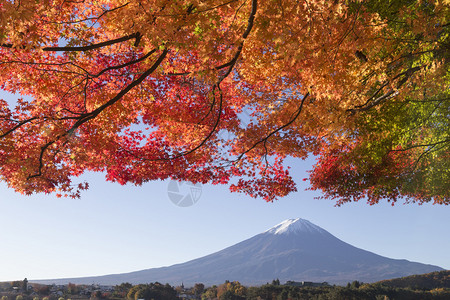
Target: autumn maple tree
(156, 89)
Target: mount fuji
(295, 249)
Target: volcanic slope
(295, 249)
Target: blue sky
(115, 229)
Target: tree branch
(421, 145)
(91, 115)
(17, 126)
(86, 117)
(136, 36)
(264, 140)
(392, 93)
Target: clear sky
(116, 229)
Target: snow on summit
(293, 226)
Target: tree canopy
(156, 89)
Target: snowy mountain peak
(295, 226)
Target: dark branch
(216, 86)
(421, 146)
(233, 61)
(41, 157)
(125, 64)
(136, 36)
(371, 102)
(264, 140)
(17, 126)
(230, 64)
(89, 116)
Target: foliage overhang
(363, 85)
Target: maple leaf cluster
(157, 89)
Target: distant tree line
(152, 291)
(354, 290)
(434, 285)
